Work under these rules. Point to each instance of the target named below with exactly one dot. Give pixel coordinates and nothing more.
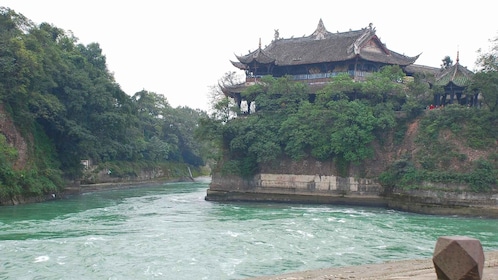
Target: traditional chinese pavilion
(316, 58)
(454, 80)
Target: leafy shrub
(483, 177)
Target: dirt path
(410, 269)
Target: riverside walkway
(407, 269)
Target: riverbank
(406, 269)
(430, 199)
(72, 190)
(85, 188)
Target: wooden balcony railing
(357, 75)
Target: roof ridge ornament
(356, 48)
(457, 64)
(371, 28)
(320, 31)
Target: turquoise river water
(169, 231)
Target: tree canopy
(61, 92)
(341, 122)
(486, 79)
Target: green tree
(68, 105)
(340, 87)
(419, 95)
(152, 109)
(223, 108)
(485, 81)
(279, 95)
(385, 86)
(488, 60)
(308, 132)
(352, 130)
(447, 62)
(180, 124)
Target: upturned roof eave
(259, 56)
(456, 74)
(239, 65)
(390, 59)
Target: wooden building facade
(314, 59)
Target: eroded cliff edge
(313, 181)
(439, 199)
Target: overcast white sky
(181, 48)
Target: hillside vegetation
(380, 128)
(59, 104)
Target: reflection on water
(170, 232)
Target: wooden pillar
(452, 94)
(238, 99)
(476, 98)
(436, 99)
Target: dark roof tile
(323, 46)
(457, 74)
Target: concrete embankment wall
(434, 199)
(445, 202)
(297, 188)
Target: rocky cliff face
(310, 180)
(384, 154)
(14, 138)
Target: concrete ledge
(317, 198)
(407, 269)
(470, 210)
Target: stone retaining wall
(317, 183)
(445, 202)
(297, 188)
(299, 183)
(436, 199)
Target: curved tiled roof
(456, 74)
(417, 68)
(239, 65)
(324, 46)
(259, 56)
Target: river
(169, 231)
